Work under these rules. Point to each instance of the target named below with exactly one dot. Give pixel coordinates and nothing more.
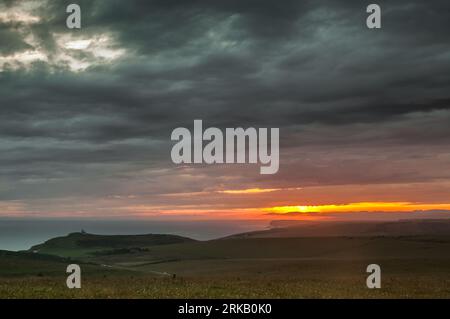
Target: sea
(21, 234)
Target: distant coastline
(21, 234)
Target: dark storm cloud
(10, 42)
(310, 67)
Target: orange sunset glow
(304, 212)
(359, 207)
(90, 118)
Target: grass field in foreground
(412, 267)
(417, 279)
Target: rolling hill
(308, 260)
(296, 229)
(20, 263)
(83, 244)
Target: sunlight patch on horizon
(358, 207)
(256, 190)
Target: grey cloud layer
(310, 67)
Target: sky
(86, 115)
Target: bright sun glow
(77, 44)
(250, 191)
(359, 207)
(257, 190)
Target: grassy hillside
(222, 257)
(82, 244)
(277, 263)
(432, 227)
(31, 275)
(412, 267)
(19, 264)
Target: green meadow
(250, 266)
